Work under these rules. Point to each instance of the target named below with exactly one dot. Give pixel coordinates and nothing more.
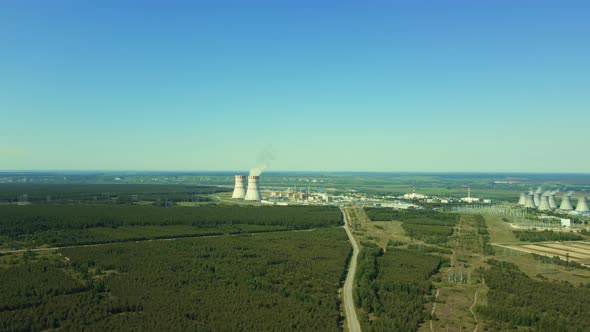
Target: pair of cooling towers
(253, 192)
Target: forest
(83, 224)
(392, 287)
(262, 282)
(516, 300)
(425, 225)
(545, 235)
(104, 193)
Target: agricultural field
(509, 248)
(248, 282)
(577, 251)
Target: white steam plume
(264, 159)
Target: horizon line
(278, 171)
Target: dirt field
(576, 251)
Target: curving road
(348, 301)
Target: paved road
(348, 301)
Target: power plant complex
(253, 192)
(546, 202)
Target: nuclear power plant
(522, 199)
(566, 204)
(547, 201)
(253, 192)
(239, 188)
(552, 201)
(537, 198)
(530, 202)
(582, 205)
(544, 204)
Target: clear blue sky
(359, 86)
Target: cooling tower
(522, 199)
(253, 193)
(566, 204)
(582, 205)
(240, 187)
(544, 205)
(537, 199)
(552, 202)
(530, 202)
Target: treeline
(17, 221)
(515, 300)
(558, 261)
(426, 225)
(482, 232)
(104, 193)
(392, 288)
(267, 282)
(432, 234)
(545, 235)
(414, 216)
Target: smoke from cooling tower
(569, 193)
(264, 159)
(539, 190)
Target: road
(473, 312)
(348, 300)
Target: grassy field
(455, 308)
(501, 232)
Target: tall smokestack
(530, 202)
(253, 193)
(544, 205)
(522, 199)
(566, 204)
(239, 188)
(582, 205)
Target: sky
(450, 86)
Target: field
(571, 251)
(261, 282)
(508, 248)
(425, 225)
